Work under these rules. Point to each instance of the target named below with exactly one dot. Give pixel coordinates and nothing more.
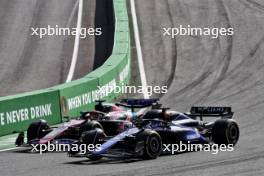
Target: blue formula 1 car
(159, 127)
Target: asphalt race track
(198, 71)
(25, 59)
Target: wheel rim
(233, 134)
(154, 145)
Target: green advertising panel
(17, 112)
(122, 37)
(122, 64)
(78, 96)
(106, 75)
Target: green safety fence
(18, 111)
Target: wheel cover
(154, 145)
(233, 134)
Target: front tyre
(153, 144)
(225, 131)
(37, 130)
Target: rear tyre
(92, 137)
(86, 134)
(37, 130)
(153, 144)
(225, 131)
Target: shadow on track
(105, 161)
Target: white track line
(76, 43)
(14, 148)
(139, 50)
(4, 150)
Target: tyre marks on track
(253, 5)
(227, 57)
(174, 52)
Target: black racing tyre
(225, 131)
(90, 125)
(86, 132)
(153, 144)
(92, 137)
(37, 130)
(73, 151)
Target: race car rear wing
(210, 111)
(140, 102)
(137, 103)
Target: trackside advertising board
(17, 112)
(77, 96)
